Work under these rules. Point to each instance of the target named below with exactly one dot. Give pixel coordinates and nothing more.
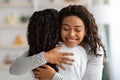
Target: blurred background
(14, 16)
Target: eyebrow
(69, 25)
(66, 24)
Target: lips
(71, 40)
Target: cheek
(81, 35)
(63, 33)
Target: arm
(24, 63)
(57, 76)
(42, 74)
(94, 67)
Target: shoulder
(82, 49)
(25, 53)
(100, 52)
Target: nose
(72, 33)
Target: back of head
(92, 38)
(42, 33)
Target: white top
(77, 69)
(93, 70)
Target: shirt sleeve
(57, 76)
(26, 63)
(94, 67)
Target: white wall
(115, 39)
(110, 14)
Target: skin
(46, 69)
(55, 57)
(73, 31)
(72, 34)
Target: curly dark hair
(92, 38)
(42, 32)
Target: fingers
(38, 69)
(64, 58)
(44, 66)
(60, 65)
(67, 53)
(67, 62)
(36, 73)
(37, 76)
(68, 59)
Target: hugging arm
(57, 76)
(24, 63)
(94, 67)
(42, 74)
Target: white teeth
(71, 40)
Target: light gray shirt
(93, 70)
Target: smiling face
(73, 31)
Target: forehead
(73, 21)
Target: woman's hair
(42, 32)
(92, 38)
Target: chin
(71, 45)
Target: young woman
(75, 19)
(43, 31)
